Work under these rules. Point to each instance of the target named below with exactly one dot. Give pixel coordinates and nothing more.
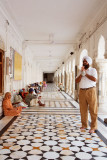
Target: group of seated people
(22, 100)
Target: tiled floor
(53, 132)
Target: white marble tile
(50, 134)
(4, 151)
(73, 134)
(11, 140)
(103, 149)
(71, 138)
(5, 137)
(45, 137)
(36, 144)
(96, 139)
(38, 135)
(35, 151)
(77, 143)
(45, 148)
(27, 133)
(56, 148)
(3, 157)
(98, 153)
(50, 155)
(15, 147)
(37, 140)
(80, 138)
(86, 149)
(8, 144)
(93, 145)
(18, 154)
(64, 145)
(67, 157)
(55, 138)
(27, 148)
(66, 152)
(102, 144)
(23, 142)
(50, 143)
(90, 141)
(20, 137)
(75, 149)
(64, 141)
(34, 157)
(83, 156)
(100, 158)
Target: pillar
(102, 82)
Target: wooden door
(1, 71)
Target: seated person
(44, 84)
(24, 93)
(19, 101)
(41, 86)
(36, 90)
(8, 108)
(40, 103)
(32, 99)
(20, 92)
(61, 88)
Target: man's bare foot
(91, 131)
(82, 128)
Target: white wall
(31, 69)
(11, 37)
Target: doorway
(48, 77)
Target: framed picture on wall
(10, 68)
(17, 66)
(11, 63)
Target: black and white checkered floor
(53, 132)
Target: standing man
(87, 94)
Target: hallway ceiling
(51, 28)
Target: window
(1, 71)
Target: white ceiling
(51, 27)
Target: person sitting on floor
(44, 84)
(61, 88)
(19, 100)
(36, 90)
(8, 108)
(20, 92)
(24, 93)
(40, 103)
(32, 99)
(40, 84)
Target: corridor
(53, 132)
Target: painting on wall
(17, 66)
(11, 62)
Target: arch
(83, 53)
(101, 47)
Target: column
(66, 87)
(102, 82)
